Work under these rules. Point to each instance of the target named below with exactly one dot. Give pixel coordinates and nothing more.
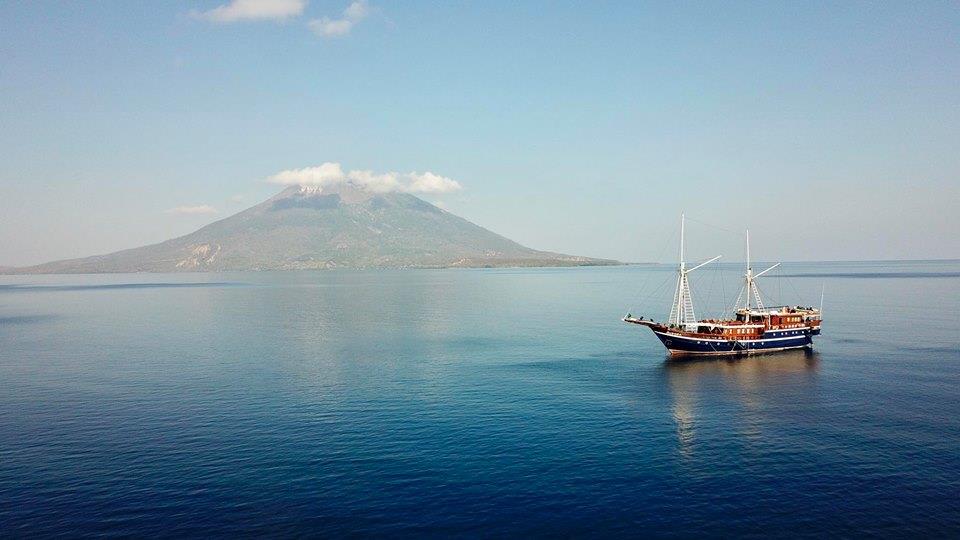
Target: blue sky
(830, 129)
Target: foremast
(681, 313)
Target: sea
(474, 403)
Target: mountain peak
(313, 227)
(348, 193)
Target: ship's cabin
(729, 329)
(744, 316)
(779, 316)
(752, 323)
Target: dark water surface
(472, 402)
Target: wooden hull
(773, 341)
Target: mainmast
(749, 276)
(681, 314)
(751, 285)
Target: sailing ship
(755, 328)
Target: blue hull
(775, 340)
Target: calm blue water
(472, 402)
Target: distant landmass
(305, 227)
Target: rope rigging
(640, 299)
(683, 311)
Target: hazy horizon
(826, 129)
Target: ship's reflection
(704, 387)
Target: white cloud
(326, 174)
(432, 183)
(331, 28)
(192, 210)
(357, 10)
(329, 174)
(253, 10)
(378, 183)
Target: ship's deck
(725, 329)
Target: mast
(683, 220)
(678, 313)
(681, 313)
(751, 280)
(749, 272)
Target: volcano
(341, 226)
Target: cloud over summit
(329, 174)
(253, 10)
(332, 28)
(282, 10)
